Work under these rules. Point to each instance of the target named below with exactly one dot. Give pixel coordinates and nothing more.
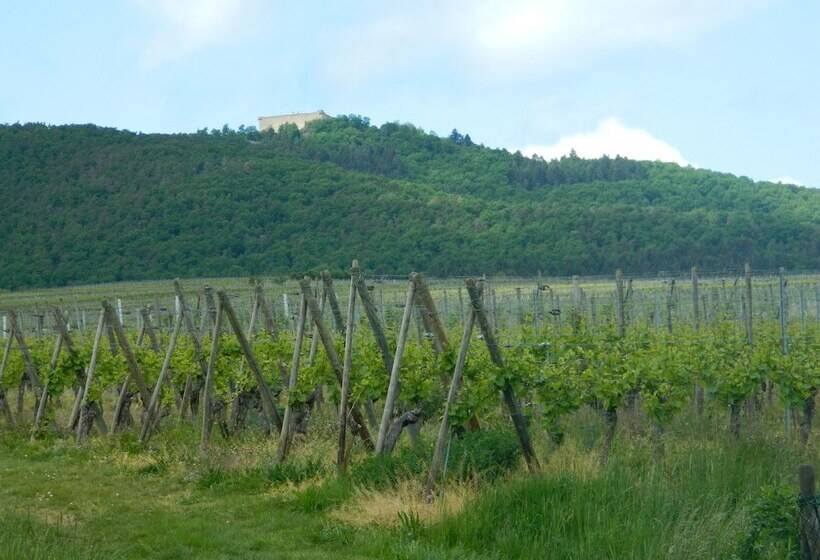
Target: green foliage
(773, 526)
(486, 454)
(383, 471)
(126, 206)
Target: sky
(730, 85)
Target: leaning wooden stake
(30, 366)
(272, 417)
(749, 307)
(153, 406)
(809, 529)
(134, 371)
(267, 314)
(358, 425)
(341, 456)
(208, 388)
(191, 385)
(372, 317)
(285, 435)
(508, 392)
(4, 405)
(455, 384)
(429, 313)
(86, 406)
(41, 404)
(327, 280)
(393, 386)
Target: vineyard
(437, 392)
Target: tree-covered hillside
(87, 204)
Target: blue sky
(730, 85)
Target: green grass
(704, 498)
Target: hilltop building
(299, 119)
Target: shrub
(488, 454)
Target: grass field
(701, 498)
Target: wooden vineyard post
(267, 314)
(510, 398)
(252, 320)
(809, 524)
(695, 298)
(153, 406)
(783, 312)
(670, 306)
(208, 388)
(314, 340)
(802, 308)
(41, 404)
(133, 370)
(359, 427)
(4, 405)
(376, 328)
(749, 306)
(699, 395)
(619, 304)
(31, 368)
(86, 406)
(372, 316)
(338, 321)
(272, 417)
(455, 384)
(817, 302)
(286, 431)
(393, 385)
(190, 387)
(341, 456)
(520, 304)
(430, 315)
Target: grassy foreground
(702, 496)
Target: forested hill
(87, 204)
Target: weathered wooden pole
(286, 434)
(670, 305)
(271, 415)
(338, 321)
(153, 406)
(341, 456)
(455, 384)
(41, 404)
(809, 525)
(28, 362)
(191, 385)
(620, 323)
(430, 315)
(393, 385)
(784, 312)
(4, 405)
(358, 425)
(372, 316)
(749, 306)
(268, 316)
(86, 405)
(208, 388)
(510, 399)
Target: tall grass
(692, 503)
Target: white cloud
(611, 138)
(185, 26)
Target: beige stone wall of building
(299, 119)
